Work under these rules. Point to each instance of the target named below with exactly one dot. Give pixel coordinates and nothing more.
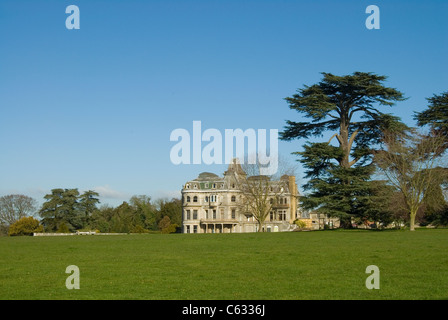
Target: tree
(145, 210)
(410, 162)
(25, 226)
(166, 226)
(436, 115)
(87, 204)
(124, 219)
(171, 209)
(139, 215)
(373, 205)
(101, 219)
(16, 206)
(340, 174)
(259, 194)
(61, 207)
(398, 209)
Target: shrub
(301, 224)
(172, 228)
(139, 229)
(25, 226)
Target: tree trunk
(345, 223)
(344, 140)
(412, 220)
(260, 225)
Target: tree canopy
(436, 114)
(347, 107)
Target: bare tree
(16, 206)
(411, 162)
(260, 193)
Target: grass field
(299, 265)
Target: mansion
(213, 204)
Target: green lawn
(299, 265)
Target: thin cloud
(108, 193)
(167, 194)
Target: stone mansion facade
(210, 204)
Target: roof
(207, 176)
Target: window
(187, 186)
(188, 199)
(195, 214)
(214, 214)
(233, 213)
(195, 199)
(206, 185)
(188, 214)
(188, 229)
(233, 199)
(282, 215)
(206, 198)
(214, 186)
(206, 214)
(195, 229)
(195, 186)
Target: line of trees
(344, 173)
(68, 210)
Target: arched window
(195, 199)
(233, 199)
(188, 198)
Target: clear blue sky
(94, 108)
